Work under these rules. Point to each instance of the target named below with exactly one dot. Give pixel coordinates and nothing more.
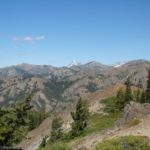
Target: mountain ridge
(94, 63)
(55, 87)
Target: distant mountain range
(54, 87)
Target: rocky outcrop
(134, 110)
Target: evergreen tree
(56, 132)
(7, 122)
(120, 99)
(80, 118)
(147, 91)
(22, 110)
(43, 143)
(36, 117)
(128, 92)
(13, 122)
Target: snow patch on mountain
(119, 64)
(74, 63)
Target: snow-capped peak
(74, 63)
(118, 64)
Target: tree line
(139, 95)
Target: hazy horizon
(81, 63)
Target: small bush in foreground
(60, 146)
(56, 146)
(125, 143)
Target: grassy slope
(98, 122)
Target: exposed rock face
(133, 111)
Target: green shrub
(110, 105)
(56, 146)
(98, 122)
(14, 123)
(134, 122)
(125, 143)
(60, 146)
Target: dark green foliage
(43, 143)
(147, 91)
(125, 143)
(55, 88)
(80, 118)
(92, 87)
(36, 118)
(14, 122)
(120, 99)
(128, 92)
(56, 146)
(110, 105)
(56, 132)
(60, 146)
(145, 96)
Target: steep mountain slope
(54, 88)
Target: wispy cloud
(29, 38)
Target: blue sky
(58, 31)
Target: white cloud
(29, 38)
